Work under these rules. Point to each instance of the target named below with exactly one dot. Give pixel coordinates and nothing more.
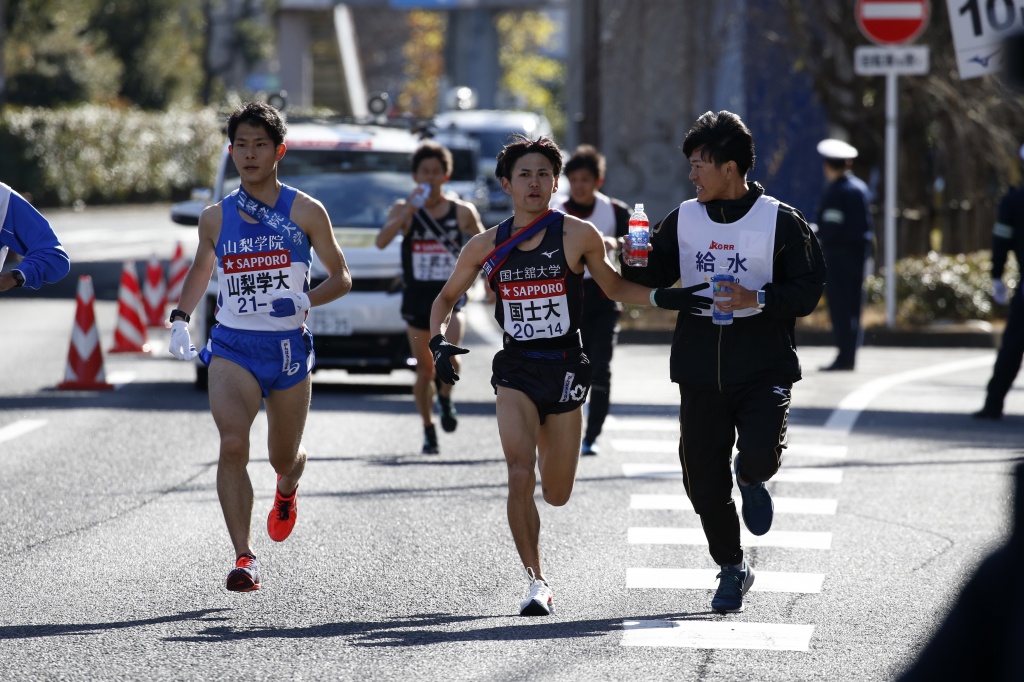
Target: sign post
(891, 23)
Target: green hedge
(945, 287)
(954, 288)
(97, 154)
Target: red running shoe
(282, 516)
(246, 575)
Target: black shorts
(556, 381)
(416, 304)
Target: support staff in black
(844, 231)
(734, 380)
(1007, 235)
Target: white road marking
(119, 378)
(614, 423)
(783, 505)
(705, 579)
(788, 475)
(651, 535)
(725, 634)
(662, 446)
(19, 428)
(850, 407)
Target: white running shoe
(540, 601)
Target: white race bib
(252, 279)
(535, 309)
(431, 261)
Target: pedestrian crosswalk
(725, 634)
(783, 505)
(702, 579)
(648, 449)
(786, 474)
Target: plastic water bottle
(420, 198)
(639, 236)
(720, 316)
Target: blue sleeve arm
(29, 234)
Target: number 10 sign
(979, 27)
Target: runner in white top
(599, 325)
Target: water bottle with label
(639, 236)
(717, 279)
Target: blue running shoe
(589, 449)
(734, 584)
(758, 508)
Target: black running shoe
(430, 446)
(734, 584)
(449, 417)
(987, 413)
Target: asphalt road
(401, 566)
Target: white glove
(288, 303)
(181, 343)
(999, 291)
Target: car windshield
(492, 142)
(357, 187)
(463, 165)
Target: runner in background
(434, 228)
(599, 325)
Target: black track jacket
(752, 349)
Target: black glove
(443, 352)
(683, 300)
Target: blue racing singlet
(254, 262)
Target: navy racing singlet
(539, 299)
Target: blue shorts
(278, 360)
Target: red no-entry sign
(892, 22)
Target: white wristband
(653, 291)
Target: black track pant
(845, 290)
(1008, 360)
(599, 327)
(754, 419)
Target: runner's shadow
(426, 629)
(62, 629)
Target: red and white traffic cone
(130, 332)
(176, 274)
(154, 293)
(84, 370)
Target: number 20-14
(1001, 14)
(527, 330)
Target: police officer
(844, 231)
(1007, 235)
